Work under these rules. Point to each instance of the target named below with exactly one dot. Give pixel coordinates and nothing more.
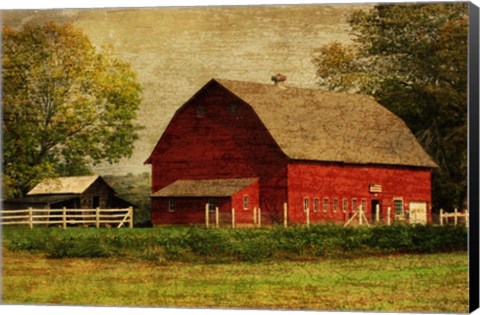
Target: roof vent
(279, 80)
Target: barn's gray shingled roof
(204, 188)
(312, 124)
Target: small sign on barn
(375, 188)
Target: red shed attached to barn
(247, 145)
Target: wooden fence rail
(67, 217)
(456, 215)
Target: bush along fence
(68, 217)
(198, 244)
(457, 216)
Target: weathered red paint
(191, 210)
(230, 141)
(222, 144)
(339, 181)
(244, 215)
(187, 210)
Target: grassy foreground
(416, 283)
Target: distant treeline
(136, 189)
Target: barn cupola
(279, 80)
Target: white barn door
(418, 212)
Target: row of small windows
(326, 205)
(232, 109)
(397, 202)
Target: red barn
(247, 145)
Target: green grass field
(416, 283)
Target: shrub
(227, 245)
(76, 248)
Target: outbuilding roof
(42, 199)
(204, 188)
(313, 124)
(64, 185)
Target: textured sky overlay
(175, 51)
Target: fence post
(389, 209)
(255, 216)
(360, 215)
(64, 217)
(456, 217)
(207, 219)
(130, 210)
(233, 218)
(97, 217)
(285, 214)
(216, 217)
(30, 217)
(308, 216)
(441, 216)
(259, 217)
(377, 213)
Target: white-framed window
(171, 205)
(316, 203)
(212, 203)
(305, 204)
(398, 206)
(364, 205)
(344, 205)
(245, 202)
(325, 204)
(335, 205)
(354, 204)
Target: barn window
(354, 205)
(325, 204)
(245, 202)
(398, 205)
(305, 204)
(171, 205)
(364, 205)
(315, 204)
(211, 204)
(233, 108)
(201, 111)
(335, 205)
(344, 205)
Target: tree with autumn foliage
(412, 58)
(66, 106)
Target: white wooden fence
(456, 215)
(231, 217)
(67, 217)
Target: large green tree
(412, 58)
(66, 105)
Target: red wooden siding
(245, 216)
(225, 143)
(191, 210)
(335, 181)
(216, 135)
(187, 210)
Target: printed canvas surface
(295, 157)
